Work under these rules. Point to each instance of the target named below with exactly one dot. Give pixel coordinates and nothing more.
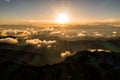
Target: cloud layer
(9, 40)
(41, 43)
(18, 33)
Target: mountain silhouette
(83, 65)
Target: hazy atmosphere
(31, 11)
(59, 39)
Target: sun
(62, 18)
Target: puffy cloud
(48, 42)
(97, 34)
(48, 29)
(40, 43)
(81, 34)
(99, 50)
(33, 41)
(9, 40)
(114, 33)
(55, 32)
(18, 33)
(63, 34)
(65, 54)
(49, 46)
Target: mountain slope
(83, 65)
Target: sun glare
(62, 18)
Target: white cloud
(48, 42)
(40, 42)
(9, 40)
(33, 41)
(81, 34)
(48, 29)
(97, 34)
(114, 32)
(55, 32)
(18, 33)
(99, 50)
(65, 54)
(39, 45)
(49, 46)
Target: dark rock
(84, 65)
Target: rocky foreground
(83, 65)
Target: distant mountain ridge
(83, 65)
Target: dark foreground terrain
(84, 65)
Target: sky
(47, 10)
